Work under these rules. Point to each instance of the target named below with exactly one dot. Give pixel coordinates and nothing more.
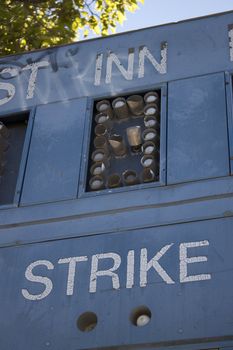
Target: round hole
(96, 182)
(114, 180)
(87, 321)
(100, 130)
(150, 121)
(101, 118)
(118, 102)
(100, 142)
(102, 105)
(149, 134)
(151, 109)
(130, 177)
(148, 175)
(140, 316)
(97, 168)
(148, 148)
(98, 155)
(151, 97)
(147, 161)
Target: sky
(155, 12)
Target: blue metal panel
(197, 129)
(54, 159)
(150, 207)
(195, 47)
(185, 316)
(182, 311)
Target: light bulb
(142, 320)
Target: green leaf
(85, 33)
(31, 25)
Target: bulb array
(126, 141)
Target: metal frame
(229, 104)
(163, 145)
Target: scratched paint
(71, 271)
(106, 66)
(95, 272)
(130, 269)
(145, 53)
(153, 263)
(13, 72)
(32, 79)
(9, 88)
(185, 260)
(126, 73)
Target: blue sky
(155, 12)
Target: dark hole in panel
(13, 131)
(87, 321)
(125, 141)
(140, 316)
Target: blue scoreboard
(116, 192)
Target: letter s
(38, 279)
(7, 86)
(10, 90)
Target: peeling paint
(109, 272)
(145, 266)
(130, 269)
(126, 73)
(71, 271)
(159, 67)
(98, 69)
(185, 260)
(8, 87)
(116, 65)
(32, 79)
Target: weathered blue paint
(55, 152)
(197, 116)
(195, 47)
(181, 312)
(53, 218)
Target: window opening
(12, 136)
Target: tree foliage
(33, 24)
